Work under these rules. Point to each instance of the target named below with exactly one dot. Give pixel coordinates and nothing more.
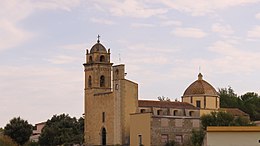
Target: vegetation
(249, 102)
(222, 119)
(197, 137)
(6, 141)
(62, 130)
(171, 143)
(163, 98)
(19, 130)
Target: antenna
(199, 69)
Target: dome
(98, 47)
(200, 87)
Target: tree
(197, 137)
(222, 119)
(228, 98)
(19, 130)
(62, 130)
(249, 102)
(6, 141)
(162, 98)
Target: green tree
(19, 130)
(228, 98)
(222, 119)
(197, 137)
(62, 130)
(249, 102)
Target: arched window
(102, 81)
(175, 112)
(103, 137)
(102, 58)
(89, 81)
(117, 71)
(90, 59)
(191, 113)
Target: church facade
(115, 116)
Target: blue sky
(162, 43)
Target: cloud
(189, 32)
(223, 30)
(51, 89)
(102, 21)
(254, 32)
(142, 25)
(129, 8)
(62, 59)
(12, 12)
(204, 7)
(230, 55)
(257, 16)
(171, 23)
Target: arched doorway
(103, 137)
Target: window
(140, 140)
(175, 112)
(198, 103)
(117, 87)
(89, 81)
(102, 81)
(103, 117)
(159, 112)
(90, 58)
(117, 71)
(103, 137)
(178, 139)
(164, 138)
(191, 113)
(142, 110)
(102, 58)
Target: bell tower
(98, 69)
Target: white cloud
(62, 59)
(14, 11)
(130, 8)
(30, 88)
(189, 32)
(171, 23)
(102, 21)
(203, 7)
(223, 30)
(257, 16)
(254, 32)
(142, 25)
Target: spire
(200, 76)
(98, 38)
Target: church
(115, 116)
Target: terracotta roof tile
(235, 111)
(165, 104)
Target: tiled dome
(98, 47)
(200, 87)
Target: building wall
(177, 129)
(130, 104)
(234, 136)
(96, 104)
(140, 128)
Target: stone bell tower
(98, 68)
(108, 101)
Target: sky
(164, 44)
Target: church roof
(164, 104)
(234, 111)
(98, 47)
(200, 87)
